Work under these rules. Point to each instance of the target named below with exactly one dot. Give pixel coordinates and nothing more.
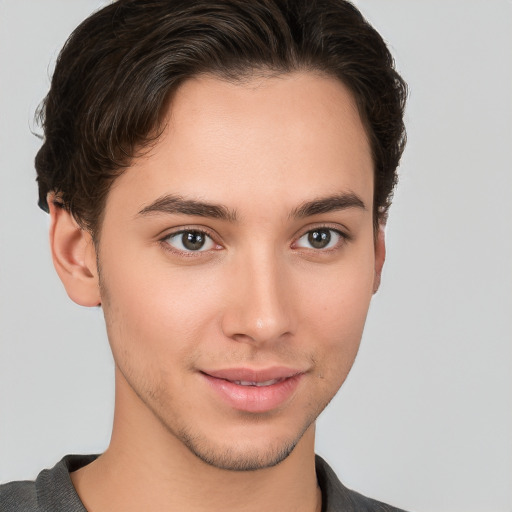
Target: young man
(218, 175)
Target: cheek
(155, 309)
(334, 314)
(339, 300)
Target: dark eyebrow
(171, 204)
(328, 204)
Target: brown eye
(193, 240)
(190, 241)
(320, 238)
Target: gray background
(425, 419)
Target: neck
(147, 467)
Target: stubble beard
(214, 454)
(233, 457)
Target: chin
(240, 459)
(243, 456)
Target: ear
(74, 256)
(380, 255)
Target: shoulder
(51, 491)
(337, 498)
(18, 497)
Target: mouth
(255, 391)
(257, 384)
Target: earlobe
(74, 256)
(380, 256)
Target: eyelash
(187, 253)
(343, 238)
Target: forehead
(287, 137)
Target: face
(237, 263)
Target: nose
(260, 301)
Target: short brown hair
(117, 70)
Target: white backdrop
(425, 419)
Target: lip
(270, 388)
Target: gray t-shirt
(53, 491)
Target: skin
(257, 296)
